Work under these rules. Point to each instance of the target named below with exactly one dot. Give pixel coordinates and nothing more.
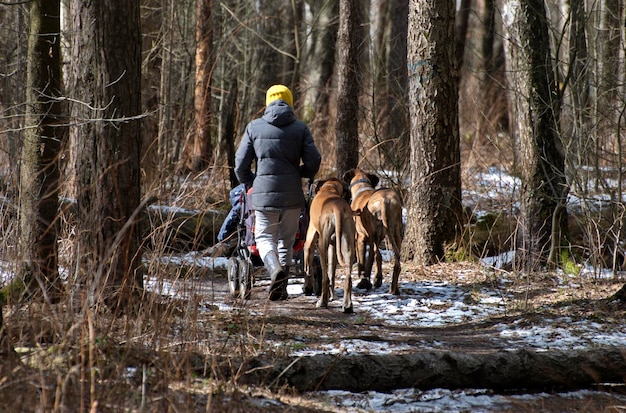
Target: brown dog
(380, 217)
(333, 230)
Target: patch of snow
(449, 401)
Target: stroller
(246, 256)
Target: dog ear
(348, 175)
(373, 179)
(318, 184)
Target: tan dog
(333, 230)
(380, 217)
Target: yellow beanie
(277, 92)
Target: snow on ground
(429, 303)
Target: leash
(309, 195)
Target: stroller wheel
(245, 279)
(233, 275)
(317, 276)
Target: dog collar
(360, 181)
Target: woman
(284, 151)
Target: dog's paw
(348, 310)
(321, 304)
(364, 284)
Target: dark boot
(277, 275)
(283, 288)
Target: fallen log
(181, 229)
(500, 371)
(173, 229)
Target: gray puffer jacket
(278, 142)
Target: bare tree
(398, 126)
(8, 357)
(320, 61)
(106, 73)
(39, 172)
(198, 151)
(462, 23)
(348, 86)
(492, 114)
(390, 87)
(536, 105)
(13, 43)
(434, 200)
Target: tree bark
(492, 116)
(106, 47)
(39, 172)
(435, 189)
(536, 106)
(8, 357)
(390, 101)
(348, 86)
(499, 371)
(462, 23)
(228, 120)
(321, 63)
(398, 127)
(199, 151)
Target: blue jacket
(285, 153)
(231, 222)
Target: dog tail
(339, 238)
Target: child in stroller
(246, 256)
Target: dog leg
(367, 269)
(332, 261)
(378, 281)
(323, 300)
(394, 238)
(362, 257)
(347, 291)
(395, 288)
(309, 250)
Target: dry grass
(164, 355)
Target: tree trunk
(13, 43)
(8, 357)
(321, 64)
(493, 61)
(293, 45)
(348, 86)
(492, 116)
(499, 371)
(435, 189)
(40, 177)
(198, 152)
(106, 47)
(536, 105)
(228, 117)
(390, 89)
(270, 36)
(398, 126)
(462, 21)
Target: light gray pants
(276, 231)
